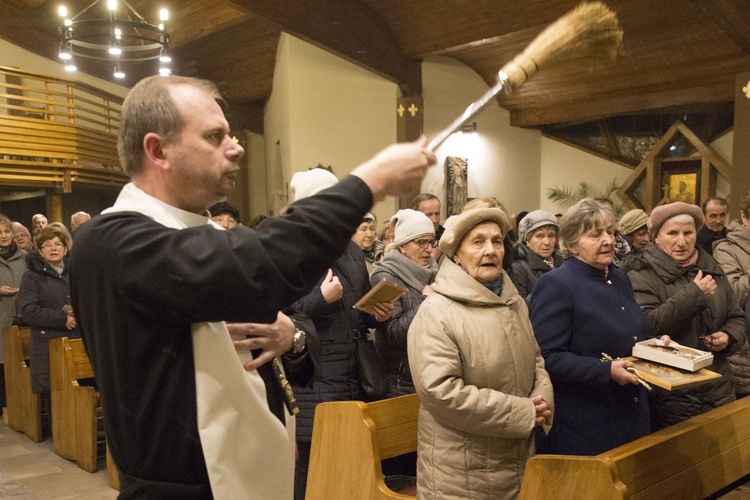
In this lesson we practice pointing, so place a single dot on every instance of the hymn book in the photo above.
(385, 291)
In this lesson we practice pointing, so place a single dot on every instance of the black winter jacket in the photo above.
(336, 324)
(528, 267)
(41, 298)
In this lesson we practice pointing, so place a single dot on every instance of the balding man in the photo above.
(77, 219)
(153, 281)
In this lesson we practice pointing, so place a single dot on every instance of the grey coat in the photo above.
(11, 271)
(674, 305)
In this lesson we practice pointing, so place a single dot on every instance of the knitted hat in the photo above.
(535, 220)
(224, 208)
(663, 213)
(457, 226)
(311, 182)
(632, 221)
(17, 226)
(410, 224)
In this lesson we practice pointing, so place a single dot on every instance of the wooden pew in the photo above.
(75, 407)
(349, 440)
(692, 459)
(23, 410)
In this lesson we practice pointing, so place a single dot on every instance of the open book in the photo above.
(385, 291)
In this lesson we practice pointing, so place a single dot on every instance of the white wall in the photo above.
(563, 165)
(17, 57)
(326, 110)
(504, 161)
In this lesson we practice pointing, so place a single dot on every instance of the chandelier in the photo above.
(114, 37)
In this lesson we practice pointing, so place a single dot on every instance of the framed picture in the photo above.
(681, 181)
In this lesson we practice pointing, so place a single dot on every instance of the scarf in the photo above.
(495, 286)
(692, 260)
(408, 271)
(8, 252)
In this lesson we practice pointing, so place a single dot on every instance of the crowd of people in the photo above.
(207, 336)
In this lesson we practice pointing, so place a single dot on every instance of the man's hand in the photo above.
(274, 339)
(397, 170)
(383, 311)
(8, 290)
(331, 288)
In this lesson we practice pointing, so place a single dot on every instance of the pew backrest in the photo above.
(692, 459)
(349, 440)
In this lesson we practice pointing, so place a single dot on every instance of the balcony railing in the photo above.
(57, 133)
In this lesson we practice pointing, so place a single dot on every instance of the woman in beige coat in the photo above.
(477, 369)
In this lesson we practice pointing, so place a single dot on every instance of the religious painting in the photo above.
(682, 187)
(681, 181)
(456, 184)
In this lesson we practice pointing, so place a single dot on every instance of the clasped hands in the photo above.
(542, 410)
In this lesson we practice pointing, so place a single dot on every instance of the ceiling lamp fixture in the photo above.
(114, 37)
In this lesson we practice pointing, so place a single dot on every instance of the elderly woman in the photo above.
(580, 311)
(12, 267)
(733, 255)
(22, 237)
(477, 370)
(339, 326)
(685, 294)
(410, 265)
(44, 302)
(365, 239)
(535, 250)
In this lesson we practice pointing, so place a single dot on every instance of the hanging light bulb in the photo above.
(164, 71)
(118, 71)
(65, 52)
(70, 66)
(164, 56)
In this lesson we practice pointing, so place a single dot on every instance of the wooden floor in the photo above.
(30, 470)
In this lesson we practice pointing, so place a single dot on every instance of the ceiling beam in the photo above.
(732, 16)
(347, 29)
(602, 108)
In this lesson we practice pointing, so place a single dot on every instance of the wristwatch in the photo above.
(298, 342)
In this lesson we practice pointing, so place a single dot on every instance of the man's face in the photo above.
(203, 161)
(431, 208)
(225, 220)
(40, 222)
(716, 216)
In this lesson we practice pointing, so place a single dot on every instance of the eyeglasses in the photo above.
(48, 246)
(427, 242)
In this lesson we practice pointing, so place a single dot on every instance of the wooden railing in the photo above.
(56, 132)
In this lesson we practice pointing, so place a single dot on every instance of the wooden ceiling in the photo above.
(676, 55)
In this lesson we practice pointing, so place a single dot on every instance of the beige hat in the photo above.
(311, 182)
(457, 226)
(663, 213)
(410, 224)
(632, 221)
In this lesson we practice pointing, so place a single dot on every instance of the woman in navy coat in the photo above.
(580, 311)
